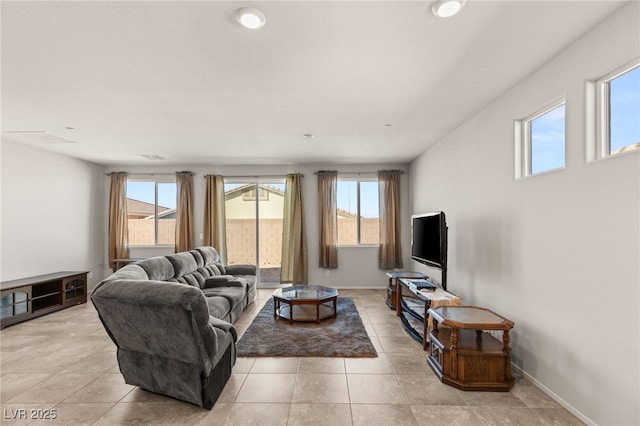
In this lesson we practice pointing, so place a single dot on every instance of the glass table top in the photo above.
(305, 292)
(470, 317)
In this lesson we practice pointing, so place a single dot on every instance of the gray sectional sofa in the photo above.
(172, 317)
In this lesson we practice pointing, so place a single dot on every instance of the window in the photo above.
(151, 209)
(358, 212)
(619, 111)
(540, 141)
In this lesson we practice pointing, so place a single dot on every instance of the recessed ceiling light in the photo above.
(307, 136)
(386, 126)
(251, 18)
(447, 8)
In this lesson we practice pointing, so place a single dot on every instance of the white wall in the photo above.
(358, 266)
(556, 253)
(52, 213)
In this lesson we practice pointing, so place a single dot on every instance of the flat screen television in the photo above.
(429, 239)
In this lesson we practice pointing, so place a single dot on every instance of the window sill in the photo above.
(152, 247)
(546, 172)
(619, 154)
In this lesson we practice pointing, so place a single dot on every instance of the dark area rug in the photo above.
(344, 336)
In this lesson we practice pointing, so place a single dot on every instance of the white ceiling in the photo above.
(183, 80)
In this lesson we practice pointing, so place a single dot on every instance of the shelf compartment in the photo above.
(74, 290)
(46, 301)
(412, 326)
(413, 306)
(14, 303)
(45, 289)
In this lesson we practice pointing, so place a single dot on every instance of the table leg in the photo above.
(425, 327)
(507, 349)
(453, 361)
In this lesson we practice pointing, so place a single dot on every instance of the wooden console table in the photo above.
(27, 298)
(466, 357)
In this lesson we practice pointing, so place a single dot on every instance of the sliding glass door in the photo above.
(254, 226)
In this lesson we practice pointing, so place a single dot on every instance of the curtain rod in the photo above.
(356, 173)
(149, 174)
(254, 176)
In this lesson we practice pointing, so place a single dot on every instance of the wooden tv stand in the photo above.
(412, 306)
(465, 356)
(392, 288)
(27, 298)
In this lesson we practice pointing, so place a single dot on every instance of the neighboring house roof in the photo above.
(250, 186)
(346, 213)
(167, 214)
(627, 148)
(142, 208)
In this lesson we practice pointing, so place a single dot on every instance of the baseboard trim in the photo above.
(553, 395)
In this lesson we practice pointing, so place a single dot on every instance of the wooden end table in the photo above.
(463, 355)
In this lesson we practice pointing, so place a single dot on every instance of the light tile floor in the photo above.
(66, 362)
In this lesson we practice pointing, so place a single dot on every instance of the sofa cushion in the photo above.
(214, 269)
(183, 263)
(158, 268)
(205, 272)
(209, 255)
(198, 257)
(235, 295)
(190, 279)
(219, 306)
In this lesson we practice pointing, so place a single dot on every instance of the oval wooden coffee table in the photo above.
(305, 303)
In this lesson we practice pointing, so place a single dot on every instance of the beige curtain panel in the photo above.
(327, 200)
(390, 250)
(215, 232)
(118, 226)
(184, 212)
(294, 238)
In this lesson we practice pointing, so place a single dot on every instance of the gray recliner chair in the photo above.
(167, 341)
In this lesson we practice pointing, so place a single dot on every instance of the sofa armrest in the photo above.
(223, 325)
(214, 278)
(241, 269)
